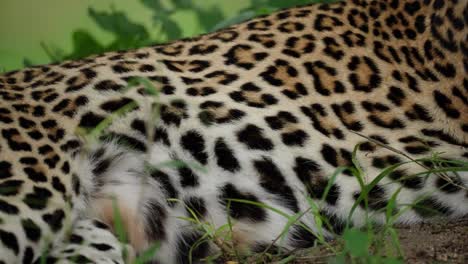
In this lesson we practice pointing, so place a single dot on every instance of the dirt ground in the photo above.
(436, 243)
(445, 242)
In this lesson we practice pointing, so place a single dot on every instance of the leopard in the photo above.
(245, 126)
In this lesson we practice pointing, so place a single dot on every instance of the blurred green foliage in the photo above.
(128, 34)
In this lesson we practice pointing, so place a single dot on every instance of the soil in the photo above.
(436, 243)
(444, 242)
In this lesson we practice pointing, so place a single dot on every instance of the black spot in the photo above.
(9, 241)
(274, 122)
(308, 171)
(90, 120)
(114, 105)
(12, 135)
(139, 125)
(412, 8)
(330, 155)
(32, 231)
(318, 70)
(33, 174)
(196, 205)
(166, 184)
(382, 162)
(125, 140)
(169, 116)
(101, 246)
(195, 144)
(268, 248)
(408, 181)
(55, 219)
(226, 79)
(8, 208)
(146, 68)
(52, 161)
(28, 256)
(430, 207)
(225, 156)
(451, 185)
(343, 111)
(38, 199)
(188, 243)
(56, 135)
(253, 137)
(419, 112)
(38, 111)
(372, 81)
(332, 48)
(155, 217)
(375, 198)
(35, 134)
(333, 222)
(447, 70)
(301, 237)
(101, 166)
(417, 149)
(26, 123)
(160, 135)
(442, 136)
(273, 181)
(295, 138)
(70, 145)
(232, 56)
(438, 4)
(10, 187)
(187, 177)
(202, 49)
(393, 124)
(120, 69)
(100, 224)
(65, 167)
(267, 40)
(50, 98)
(45, 149)
(290, 27)
(238, 209)
(446, 104)
(261, 25)
(5, 170)
(61, 105)
(5, 119)
(322, 23)
(168, 89)
(81, 100)
(107, 85)
(75, 239)
(79, 259)
(58, 185)
(271, 76)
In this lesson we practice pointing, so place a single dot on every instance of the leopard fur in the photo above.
(264, 111)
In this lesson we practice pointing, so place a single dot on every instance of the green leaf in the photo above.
(356, 242)
(156, 6)
(119, 24)
(234, 20)
(148, 254)
(118, 222)
(55, 54)
(26, 63)
(172, 29)
(84, 44)
(208, 18)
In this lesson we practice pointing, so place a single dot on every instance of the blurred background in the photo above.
(39, 32)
